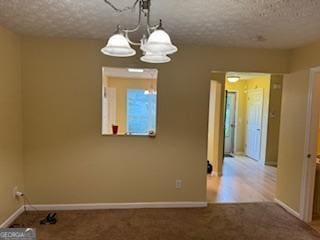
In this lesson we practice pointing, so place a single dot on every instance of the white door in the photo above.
(230, 122)
(254, 123)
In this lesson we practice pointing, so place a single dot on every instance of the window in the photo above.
(141, 111)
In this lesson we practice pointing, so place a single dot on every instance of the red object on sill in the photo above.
(115, 129)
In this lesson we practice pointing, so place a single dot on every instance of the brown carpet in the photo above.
(218, 221)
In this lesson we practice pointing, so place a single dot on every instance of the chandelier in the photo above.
(155, 43)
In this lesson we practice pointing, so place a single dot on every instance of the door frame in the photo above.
(309, 163)
(236, 92)
(261, 131)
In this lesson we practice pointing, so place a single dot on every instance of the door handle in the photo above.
(258, 129)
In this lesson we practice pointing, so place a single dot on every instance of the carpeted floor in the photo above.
(218, 221)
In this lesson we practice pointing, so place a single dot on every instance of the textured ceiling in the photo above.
(276, 23)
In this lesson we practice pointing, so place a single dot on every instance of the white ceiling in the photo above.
(238, 23)
(148, 73)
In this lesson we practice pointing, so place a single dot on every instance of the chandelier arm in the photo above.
(148, 21)
(151, 28)
(154, 27)
(136, 28)
(131, 42)
(120, 10)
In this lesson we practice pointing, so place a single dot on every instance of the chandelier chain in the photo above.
(120, 10)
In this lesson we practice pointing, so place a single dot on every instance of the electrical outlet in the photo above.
(14, 192)
(178, 184)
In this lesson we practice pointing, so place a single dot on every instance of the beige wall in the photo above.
(304, 57)
(11, 165)
(62, 108)
(122, 85)
(62, 120)
(274, 120)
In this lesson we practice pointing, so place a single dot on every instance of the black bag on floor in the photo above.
(209, 167)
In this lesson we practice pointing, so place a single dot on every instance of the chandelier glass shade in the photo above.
(155, 58)
(118, 46)
(155, 43)
(159, 42)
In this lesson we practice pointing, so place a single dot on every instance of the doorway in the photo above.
(247, 111)
(248, 119)
(310, 194)
(316, 195)
(230, 123)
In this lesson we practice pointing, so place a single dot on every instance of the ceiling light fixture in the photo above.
(233, 79)
(155, 43)
(136, 70)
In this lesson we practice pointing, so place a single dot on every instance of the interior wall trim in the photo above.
(102, 206)
(12, 218)
(240, 153)
(287, 208)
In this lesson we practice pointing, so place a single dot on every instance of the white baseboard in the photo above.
(287, 208)
(273, 164)
(101, 206)
(12, 218)
(240, 153)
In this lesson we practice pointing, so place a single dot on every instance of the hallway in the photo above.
(243, 180)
